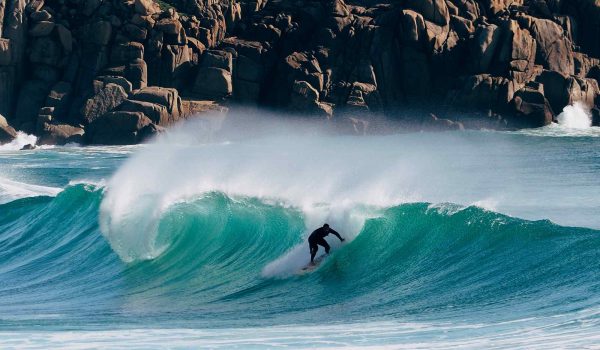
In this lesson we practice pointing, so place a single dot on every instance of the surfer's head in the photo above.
(326, 226)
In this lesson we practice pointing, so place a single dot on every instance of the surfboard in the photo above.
(318, 260)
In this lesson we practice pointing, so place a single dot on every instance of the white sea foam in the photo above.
(11, 190)
(574, 121)
(21, 140)
(560, 332)
(327, 177)
(575, 116)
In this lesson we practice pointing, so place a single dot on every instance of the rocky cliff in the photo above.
(117, 71)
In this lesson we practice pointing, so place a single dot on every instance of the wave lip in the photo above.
(11, 190)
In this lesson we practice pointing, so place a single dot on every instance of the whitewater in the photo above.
(476, 239)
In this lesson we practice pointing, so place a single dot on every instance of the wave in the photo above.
(217, 255)
(11, 190)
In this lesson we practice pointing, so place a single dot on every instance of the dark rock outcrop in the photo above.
(67, 64)
(7, 132)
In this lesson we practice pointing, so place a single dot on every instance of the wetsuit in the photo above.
(317, 238)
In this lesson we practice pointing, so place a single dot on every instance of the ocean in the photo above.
(472, 239)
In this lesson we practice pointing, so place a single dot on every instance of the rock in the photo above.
(137, 73)
(196, 45)
(483, 47)
(337, 8)
(246, 91)
(217, 59)
(135, 33)
(173, 70)
(5, 53)
(248, 69)
(522, 53)
(46, 51)
(532, 108)
(7, 132)
(15, 29)
(553, 48)
(48, 74)
(587, 17)
(555, 88)
(412, 27)
(157, 113)
(40, 16)
(99, 33)
(584, 63)
(146, 22)
(250, 49)
(150, 131)
(595, 116)
(494, 7)
(110, 97)
(364, 94)
(65, 37)
(59, 99)
(163, 96)
(127, 52)
(434, 11)
(42, 28)
(117, 128)
(305, 99)
(191, 107)
(433, 123)
(168, 26)
(60, 134)
(88, 7)
(582, 90)
(35, 5)
(213, 82)
(594, 73)
(28, 147)
(483, 92)
(562, 91)
(305, 68)
(146, 7)
(462, 26)
(101, 81)
(31, 98)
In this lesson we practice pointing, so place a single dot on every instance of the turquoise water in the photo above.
(465, 239)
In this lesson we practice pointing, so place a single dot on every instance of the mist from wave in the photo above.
(575, 120)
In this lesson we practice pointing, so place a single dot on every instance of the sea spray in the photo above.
(21, 140)
(327, 177)
(575, 116)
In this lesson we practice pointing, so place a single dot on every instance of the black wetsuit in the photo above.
(317, 238)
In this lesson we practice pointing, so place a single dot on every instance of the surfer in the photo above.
(317, 238)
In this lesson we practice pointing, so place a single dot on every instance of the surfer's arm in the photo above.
(336, 234)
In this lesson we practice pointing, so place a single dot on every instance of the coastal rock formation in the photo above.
(114, 71)
(7, 132)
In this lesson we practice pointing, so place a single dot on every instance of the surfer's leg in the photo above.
(323, 242)
(313, 250)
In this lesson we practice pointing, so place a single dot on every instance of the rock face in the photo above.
(7, 133)
(97, 66)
